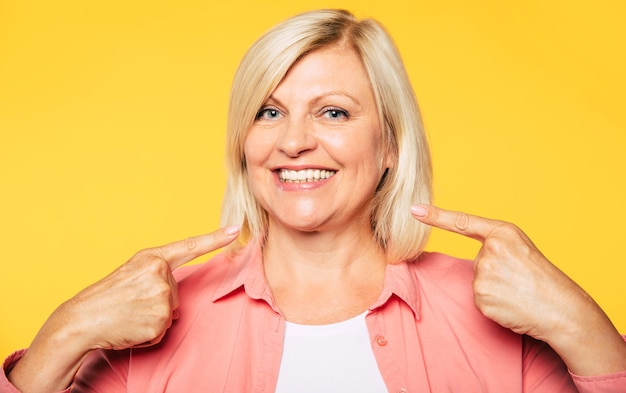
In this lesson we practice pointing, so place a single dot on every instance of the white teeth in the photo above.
(305, 175)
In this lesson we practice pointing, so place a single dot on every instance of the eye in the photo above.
(335, 113)
(268, 113)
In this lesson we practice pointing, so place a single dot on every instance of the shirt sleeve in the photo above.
(102, 371)
(7, 366)
(544, 371)
(612, 383)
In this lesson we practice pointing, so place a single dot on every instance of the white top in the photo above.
(329, 358)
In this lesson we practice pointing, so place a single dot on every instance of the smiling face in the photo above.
(314, 155)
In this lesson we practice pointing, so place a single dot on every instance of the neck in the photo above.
(324, 251)
(322, 276)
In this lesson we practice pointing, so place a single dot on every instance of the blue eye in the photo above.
(336, 114)
(268, 114)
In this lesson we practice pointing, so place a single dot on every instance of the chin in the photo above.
(303, 223)
(303, 226)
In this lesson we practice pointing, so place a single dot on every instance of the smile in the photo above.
(304, 176)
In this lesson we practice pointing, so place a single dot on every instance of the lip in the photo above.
(276, 169)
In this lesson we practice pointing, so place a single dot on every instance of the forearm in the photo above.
(592, 345)
(52, 360)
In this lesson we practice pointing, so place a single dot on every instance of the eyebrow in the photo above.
(322, 96)
(337, 93)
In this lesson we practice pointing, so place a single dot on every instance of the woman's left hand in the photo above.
(517, 287)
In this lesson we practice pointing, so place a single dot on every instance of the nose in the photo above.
(297, 137)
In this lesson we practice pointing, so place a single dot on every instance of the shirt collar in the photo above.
(400, 281)
(246, 271)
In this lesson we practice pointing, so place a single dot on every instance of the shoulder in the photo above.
(438, 260)
(194, 271)
(198, 279)
(434, 266)
(448, 310)
(223, 274)
(446, 289)
(436, 276)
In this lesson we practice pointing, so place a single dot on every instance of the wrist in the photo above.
(589, 344)
(53, 358)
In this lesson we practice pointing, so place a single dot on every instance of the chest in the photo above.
(329, 358)
(242, 351)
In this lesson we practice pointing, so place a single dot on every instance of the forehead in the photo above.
(333, 68)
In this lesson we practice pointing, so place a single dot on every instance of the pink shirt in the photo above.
(426, 335)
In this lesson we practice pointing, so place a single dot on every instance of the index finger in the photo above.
(180, 252)
(475, 227)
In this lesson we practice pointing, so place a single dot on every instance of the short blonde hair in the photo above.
(264, 66)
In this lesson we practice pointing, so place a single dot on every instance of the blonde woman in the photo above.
(324, 285)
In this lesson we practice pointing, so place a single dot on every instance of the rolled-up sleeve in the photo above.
(611, 383)
(7, 366)
(102, 371)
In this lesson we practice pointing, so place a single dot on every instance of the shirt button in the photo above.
(401, 390)
(381, 340)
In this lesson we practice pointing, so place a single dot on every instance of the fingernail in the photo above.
(233, 229)
(418, 210)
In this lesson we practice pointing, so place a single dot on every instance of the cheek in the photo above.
(257, 150)
(254, 149)
(358, 140)
(248, 150)
(367, 149)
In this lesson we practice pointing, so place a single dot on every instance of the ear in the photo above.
(389, 159)
(390, 149)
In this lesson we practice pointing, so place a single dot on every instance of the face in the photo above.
(314, 153)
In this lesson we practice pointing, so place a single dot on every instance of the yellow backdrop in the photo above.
(112, 118)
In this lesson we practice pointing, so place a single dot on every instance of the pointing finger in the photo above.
(183, 251)
(475, 227)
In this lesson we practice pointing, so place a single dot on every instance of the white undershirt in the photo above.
(329, 358)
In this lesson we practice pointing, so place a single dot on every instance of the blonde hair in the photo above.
(263, 67)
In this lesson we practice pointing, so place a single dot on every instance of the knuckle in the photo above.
(480, 289)
(461, 221)
(485, 309)
(157, 266)
(505, 238)
(509, 230)
(481, 298)
(154, 331)
(494, 245)
(142, 254)
(160, 319)
(148, 256)
(164, 291)
(191, 243)
(479, 301)
(163, 318)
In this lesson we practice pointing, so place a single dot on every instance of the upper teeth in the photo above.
(305, 175)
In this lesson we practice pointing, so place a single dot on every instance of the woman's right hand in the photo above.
(133, 306)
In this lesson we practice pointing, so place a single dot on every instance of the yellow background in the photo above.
(112, 118)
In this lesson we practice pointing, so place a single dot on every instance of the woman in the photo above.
(327, 287)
